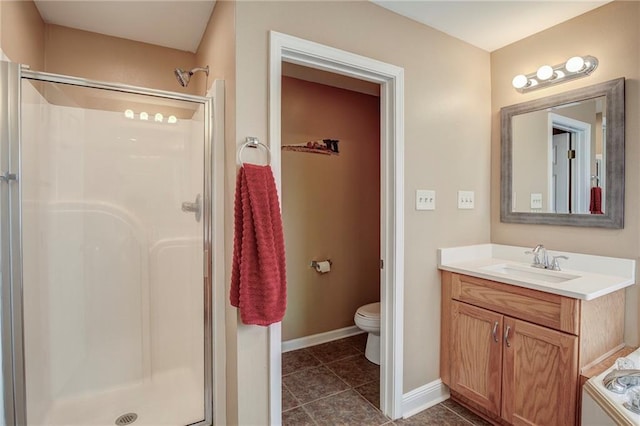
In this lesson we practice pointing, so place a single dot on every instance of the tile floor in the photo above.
(334, 384)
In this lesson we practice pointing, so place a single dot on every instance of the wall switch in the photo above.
(466, 199)
(425, 199)
(536, 201)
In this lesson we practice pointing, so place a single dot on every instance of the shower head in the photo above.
(183, 76)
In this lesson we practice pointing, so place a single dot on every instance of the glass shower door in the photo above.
(114, 236)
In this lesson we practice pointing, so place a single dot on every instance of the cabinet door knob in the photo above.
(506, 336)
(495, 332)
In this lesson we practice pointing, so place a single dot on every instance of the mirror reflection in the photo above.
(559, 158)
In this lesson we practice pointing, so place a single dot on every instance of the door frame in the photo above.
(298, 51)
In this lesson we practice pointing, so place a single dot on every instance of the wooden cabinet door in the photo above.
(476, 354)
(540, 375)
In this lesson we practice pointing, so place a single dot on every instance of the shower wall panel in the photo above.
(113, 286)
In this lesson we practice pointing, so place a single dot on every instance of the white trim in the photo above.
(320, 338)
(391, 79)
(424, 397)
(275, 367)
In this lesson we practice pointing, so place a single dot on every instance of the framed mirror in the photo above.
(562, 158)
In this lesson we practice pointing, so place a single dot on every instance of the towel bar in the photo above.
(253, 142)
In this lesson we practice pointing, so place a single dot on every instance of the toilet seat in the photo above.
(372, 310)
(369, 315)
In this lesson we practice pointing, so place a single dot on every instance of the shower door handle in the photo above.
(195, 207)
(7, 177)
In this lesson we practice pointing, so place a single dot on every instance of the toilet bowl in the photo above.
(367, 318)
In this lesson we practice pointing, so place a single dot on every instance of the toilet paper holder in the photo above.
(314, 263)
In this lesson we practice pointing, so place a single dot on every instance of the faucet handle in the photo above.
(555, 266)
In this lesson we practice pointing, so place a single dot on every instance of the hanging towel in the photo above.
(595, 205)
(258, 278)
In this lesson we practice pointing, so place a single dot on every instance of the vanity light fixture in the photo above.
(547, 75)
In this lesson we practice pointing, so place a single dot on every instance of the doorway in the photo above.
(391, 80)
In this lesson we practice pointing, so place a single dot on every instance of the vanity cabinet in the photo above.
(514, 355)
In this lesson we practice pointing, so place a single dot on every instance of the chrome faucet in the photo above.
(540, 260)
(619, 381)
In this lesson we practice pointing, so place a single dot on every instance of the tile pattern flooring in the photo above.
(334, 384)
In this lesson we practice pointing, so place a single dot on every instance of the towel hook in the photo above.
(253, 142)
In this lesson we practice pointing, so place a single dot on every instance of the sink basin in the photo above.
(529, 272)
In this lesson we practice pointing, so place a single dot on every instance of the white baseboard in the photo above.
(424, 397)
(317, 339)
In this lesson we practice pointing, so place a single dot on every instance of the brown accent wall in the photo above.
(330, 206)
(610, 33)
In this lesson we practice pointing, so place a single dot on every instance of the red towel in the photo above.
(258, 276)
(595, 204)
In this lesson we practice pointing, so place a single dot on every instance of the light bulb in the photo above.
(144, 116)
(575, 64)
(128, 113)
(520, 81)
(172, 119)
(158, 117)
(545, 72)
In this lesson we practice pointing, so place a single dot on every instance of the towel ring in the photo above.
(253, 142)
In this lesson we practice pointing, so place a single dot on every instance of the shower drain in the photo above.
(126, 419)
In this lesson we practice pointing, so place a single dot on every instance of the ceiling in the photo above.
(180, 24)
(490, 25)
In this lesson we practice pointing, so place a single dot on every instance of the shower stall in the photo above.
(105, 194)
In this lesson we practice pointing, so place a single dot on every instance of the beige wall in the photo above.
(330, 206)
(99, 57)
(22, 33)
(530, 173)
(27, 39)
(610, 33)
(447, 148)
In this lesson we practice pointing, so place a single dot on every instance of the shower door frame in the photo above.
(11, 285)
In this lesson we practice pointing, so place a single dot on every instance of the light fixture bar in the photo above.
(545, 76)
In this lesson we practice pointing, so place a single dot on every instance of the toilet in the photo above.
(367, 318)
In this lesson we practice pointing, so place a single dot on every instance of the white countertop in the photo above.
(584, 276)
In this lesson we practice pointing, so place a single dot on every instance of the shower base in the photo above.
(173, 398)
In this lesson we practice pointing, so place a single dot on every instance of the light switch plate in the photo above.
(536, 201)
(466, 199)
(425, 199)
